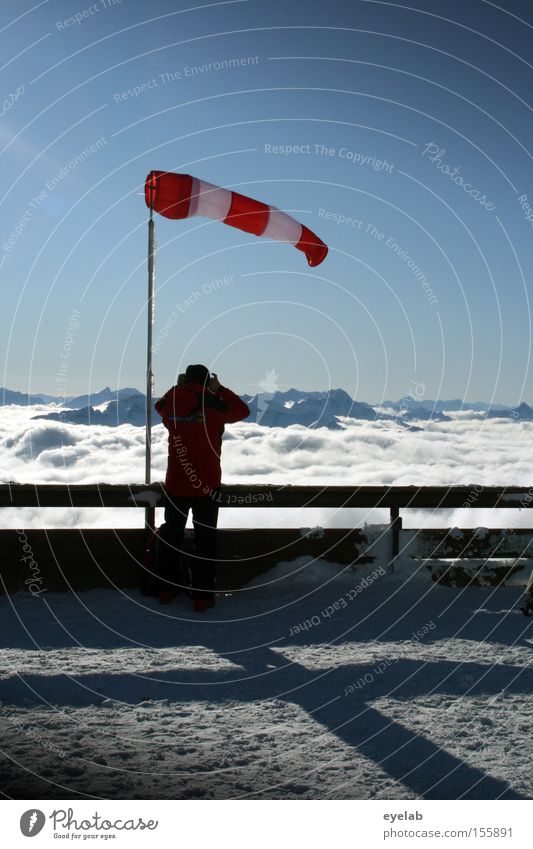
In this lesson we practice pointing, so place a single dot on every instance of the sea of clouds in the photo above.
(463, 451)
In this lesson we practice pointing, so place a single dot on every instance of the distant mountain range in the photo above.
(273, 409)
(9, 396)
(452, 406)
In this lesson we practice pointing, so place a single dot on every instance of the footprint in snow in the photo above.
(73, 771)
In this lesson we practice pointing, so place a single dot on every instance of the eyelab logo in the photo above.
(32, 822)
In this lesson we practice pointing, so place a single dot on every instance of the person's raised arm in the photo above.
(160, 404)
(237, 409)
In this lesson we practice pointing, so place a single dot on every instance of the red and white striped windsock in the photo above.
(181, 196)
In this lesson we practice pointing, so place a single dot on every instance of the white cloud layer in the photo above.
(463, 451)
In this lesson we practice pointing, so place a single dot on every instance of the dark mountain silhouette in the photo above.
(522, 413)
(319, 408)
(10, 396)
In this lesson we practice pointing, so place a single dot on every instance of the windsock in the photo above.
(182, 196)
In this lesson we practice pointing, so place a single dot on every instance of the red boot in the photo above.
(201, 605)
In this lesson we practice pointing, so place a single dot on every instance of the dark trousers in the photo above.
(203, 563)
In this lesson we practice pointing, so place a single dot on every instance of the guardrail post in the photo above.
(396, 526)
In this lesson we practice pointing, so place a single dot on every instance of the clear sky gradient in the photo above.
(360, 118)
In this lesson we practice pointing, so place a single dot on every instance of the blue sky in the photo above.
(424, 284)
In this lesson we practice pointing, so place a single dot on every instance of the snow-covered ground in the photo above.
(310, 683)
(307, 683)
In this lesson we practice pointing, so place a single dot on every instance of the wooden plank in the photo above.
(269, 495)
(42, 561)
(69, 559)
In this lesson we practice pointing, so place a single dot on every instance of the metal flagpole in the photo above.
(149, 515)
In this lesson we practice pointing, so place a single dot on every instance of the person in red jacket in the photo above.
(195, 412)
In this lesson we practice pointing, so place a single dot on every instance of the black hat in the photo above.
(197, 374)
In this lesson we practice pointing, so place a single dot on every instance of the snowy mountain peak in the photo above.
(270, 407)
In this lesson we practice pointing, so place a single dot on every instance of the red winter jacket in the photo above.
(195, 422)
